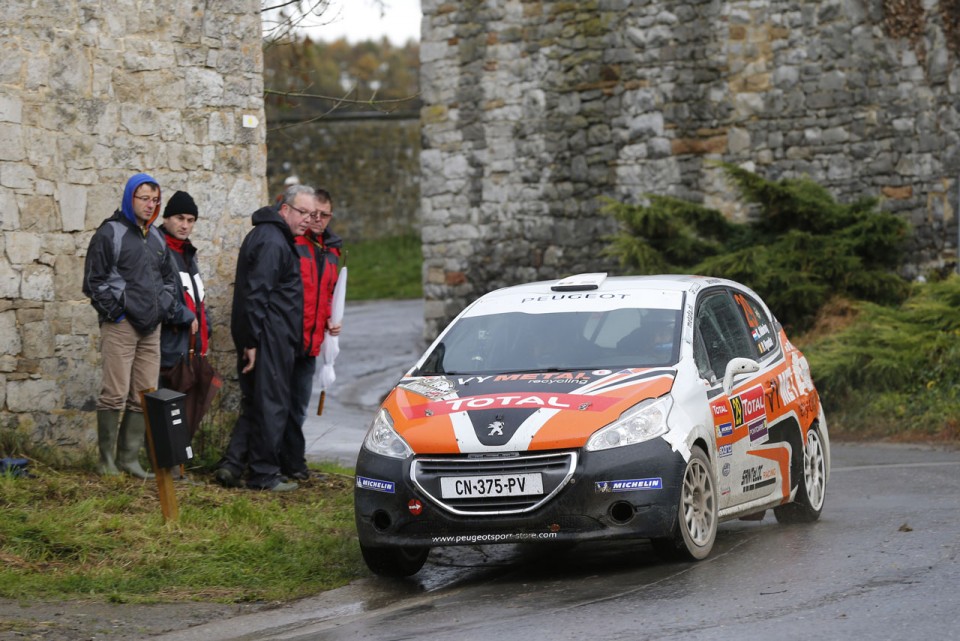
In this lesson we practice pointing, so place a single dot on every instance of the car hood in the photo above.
(514, 412)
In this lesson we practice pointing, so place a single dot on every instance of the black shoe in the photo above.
(279, 486)
(226, 478)
(299, 476)
(284, 487)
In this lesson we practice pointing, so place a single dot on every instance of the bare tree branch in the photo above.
(343, 100)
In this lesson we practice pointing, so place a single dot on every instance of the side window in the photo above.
(762, 331)
(720, 326)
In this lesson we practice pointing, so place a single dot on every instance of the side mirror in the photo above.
(736, 367)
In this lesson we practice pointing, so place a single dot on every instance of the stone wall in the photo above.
(92, 92)
(535, 109)
(370, 163)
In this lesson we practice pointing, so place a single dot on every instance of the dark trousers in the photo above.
(294, 450)
(266, 394)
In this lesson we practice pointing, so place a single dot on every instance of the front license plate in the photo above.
(458, 487)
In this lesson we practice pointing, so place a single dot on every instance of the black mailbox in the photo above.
(168, 427)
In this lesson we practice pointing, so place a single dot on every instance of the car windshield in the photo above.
(560, 341)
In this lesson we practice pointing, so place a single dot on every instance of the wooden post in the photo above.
(168, 496)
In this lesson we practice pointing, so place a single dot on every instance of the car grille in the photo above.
(555, 470)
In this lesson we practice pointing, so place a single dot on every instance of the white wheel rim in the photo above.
(813, 470)
(699, 503)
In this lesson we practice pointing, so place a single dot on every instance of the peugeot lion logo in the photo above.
(496, 428)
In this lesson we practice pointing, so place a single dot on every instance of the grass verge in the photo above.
(72, 534)
(385, 268)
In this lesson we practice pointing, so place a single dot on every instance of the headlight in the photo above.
(640, 423)
(382, 439)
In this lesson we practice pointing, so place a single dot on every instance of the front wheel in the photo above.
(696, 526)
(808, 504)
(394, 561)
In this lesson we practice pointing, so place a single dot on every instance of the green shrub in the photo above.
(895, 370)
(799, 249)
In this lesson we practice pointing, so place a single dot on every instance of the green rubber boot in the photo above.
(129, 442)
(108, 422)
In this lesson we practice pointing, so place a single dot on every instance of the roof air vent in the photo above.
(580, 282)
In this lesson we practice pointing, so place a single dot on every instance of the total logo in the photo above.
(531, 401)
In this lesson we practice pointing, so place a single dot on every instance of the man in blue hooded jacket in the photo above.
(132, 282)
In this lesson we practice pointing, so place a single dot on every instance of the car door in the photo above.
(727, 327)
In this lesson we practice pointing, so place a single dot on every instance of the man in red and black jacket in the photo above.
(319, 251)
(179, 217)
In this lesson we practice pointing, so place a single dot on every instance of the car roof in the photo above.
(594, 292)
(668, 282)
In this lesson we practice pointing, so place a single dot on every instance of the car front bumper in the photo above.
(627, 492)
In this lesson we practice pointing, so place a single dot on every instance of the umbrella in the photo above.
(331, 344)
(194, 376)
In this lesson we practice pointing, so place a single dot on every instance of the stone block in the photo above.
(11, 141)
(69, 69)
(139, 120)
(37, 340)
(9, 280)
(11, 109)
(18, 176)
(33, 395)
(68, 277)
(68, 346)
(899, 192)
(23, 248)
(738, 140)
(203, 88)
(9, 211)
(10, 341)
(37, 283)
(73, 206)
(38, 214)
(98, 117)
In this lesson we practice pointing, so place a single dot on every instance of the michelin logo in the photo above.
(374, 484)
(631, 485)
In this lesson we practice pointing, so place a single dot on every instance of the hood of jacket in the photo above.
(271, 216)
(126, 206)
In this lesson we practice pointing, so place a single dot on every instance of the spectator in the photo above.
(131, 281)
(267, 330)
(319, 250)
(176, 338)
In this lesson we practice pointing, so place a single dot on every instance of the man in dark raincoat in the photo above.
(267, 330)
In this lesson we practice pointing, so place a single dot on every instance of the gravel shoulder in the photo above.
(88, 620)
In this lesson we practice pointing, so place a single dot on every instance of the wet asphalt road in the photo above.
(882, 563)
(379, 342)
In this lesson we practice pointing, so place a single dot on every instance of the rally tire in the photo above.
(696, 527)
(395, 561)
(812, 485)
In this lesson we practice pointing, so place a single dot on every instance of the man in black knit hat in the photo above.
(179, 217)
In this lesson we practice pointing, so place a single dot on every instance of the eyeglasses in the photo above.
(321, 215)
(148, 199)
(308, 214)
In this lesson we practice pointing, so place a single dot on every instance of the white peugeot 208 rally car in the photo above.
(590, 408)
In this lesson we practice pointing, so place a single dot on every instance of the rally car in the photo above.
(588, 408)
